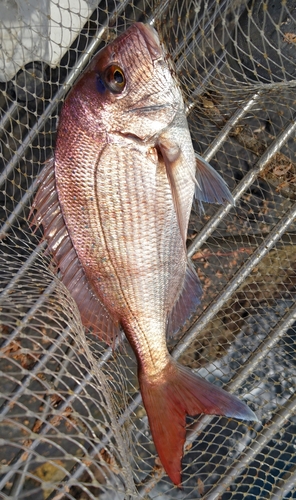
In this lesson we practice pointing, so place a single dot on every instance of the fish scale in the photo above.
(121, 187)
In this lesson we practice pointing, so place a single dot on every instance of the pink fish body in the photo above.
(115, 204)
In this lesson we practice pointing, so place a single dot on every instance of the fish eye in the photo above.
(114, 79)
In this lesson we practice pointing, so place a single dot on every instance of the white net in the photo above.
(72, 425)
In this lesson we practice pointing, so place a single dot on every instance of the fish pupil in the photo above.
(118, 77)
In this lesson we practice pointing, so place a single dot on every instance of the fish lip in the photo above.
(151, 38)
(153, 107)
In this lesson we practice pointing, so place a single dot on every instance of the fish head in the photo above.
(128, 87)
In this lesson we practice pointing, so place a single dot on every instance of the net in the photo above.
(72, 425)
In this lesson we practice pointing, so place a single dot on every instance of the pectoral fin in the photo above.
(210, 187)
(171, 154)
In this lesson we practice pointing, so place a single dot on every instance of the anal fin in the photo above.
(46, 212)
(186, 303)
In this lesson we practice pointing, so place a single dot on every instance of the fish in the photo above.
(114, 203)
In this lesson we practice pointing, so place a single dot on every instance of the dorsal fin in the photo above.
(46, 212)
(186, 303)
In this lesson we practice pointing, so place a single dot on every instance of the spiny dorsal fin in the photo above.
(46, 212)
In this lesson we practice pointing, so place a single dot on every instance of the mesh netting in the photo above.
(72, 425)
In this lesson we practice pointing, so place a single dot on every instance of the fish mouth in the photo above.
(151, 38)
(152, 107)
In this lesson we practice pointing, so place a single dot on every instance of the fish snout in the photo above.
(152, 41)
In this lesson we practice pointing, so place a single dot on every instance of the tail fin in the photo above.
(167, 401)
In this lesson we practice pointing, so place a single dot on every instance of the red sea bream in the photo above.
(114, 203)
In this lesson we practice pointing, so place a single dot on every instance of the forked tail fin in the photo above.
(177, 393)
